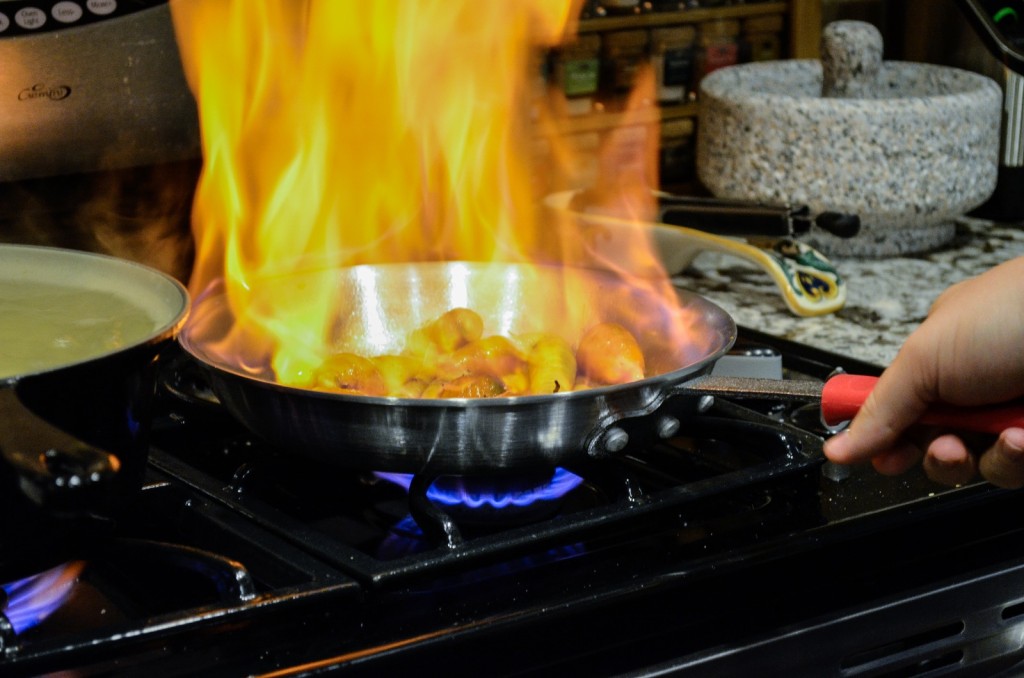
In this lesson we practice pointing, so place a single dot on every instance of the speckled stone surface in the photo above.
(887, 298)
(909, 155)
(851, 56)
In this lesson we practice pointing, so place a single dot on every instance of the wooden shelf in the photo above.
(805, 29)
(656, 19)
(799, 37)
(601, 122)
(671, 111)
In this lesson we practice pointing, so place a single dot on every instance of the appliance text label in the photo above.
(41, 91)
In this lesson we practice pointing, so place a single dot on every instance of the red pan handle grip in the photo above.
(843, 395)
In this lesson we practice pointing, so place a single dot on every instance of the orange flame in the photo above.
(345, 133)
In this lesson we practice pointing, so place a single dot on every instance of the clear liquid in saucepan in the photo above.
(44, 326)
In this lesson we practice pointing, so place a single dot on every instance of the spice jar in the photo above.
(677, 153)
(718, 45)
(622, 54)
(577, 70)
(673, 51)
(763, 36)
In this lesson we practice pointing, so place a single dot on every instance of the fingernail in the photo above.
(1003, 465)
(837, 447)
(1013, 438)
(948, 450)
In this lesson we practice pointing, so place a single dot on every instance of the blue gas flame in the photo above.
(458, 494)
(31, 600)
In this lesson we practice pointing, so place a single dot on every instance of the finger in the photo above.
(897, 460)
(841, 448)
(1003, 463)
(898, 399)
(949, 462)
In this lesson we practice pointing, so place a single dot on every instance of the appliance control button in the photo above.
(4, 22)
(30, 17)
(101, 6)
(66, 12)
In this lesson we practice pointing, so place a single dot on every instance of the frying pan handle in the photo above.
(55, 470)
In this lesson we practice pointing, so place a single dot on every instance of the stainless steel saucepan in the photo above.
(79, 338)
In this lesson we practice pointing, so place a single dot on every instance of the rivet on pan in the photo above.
(667, 427)
(615, 440)
(705, 403)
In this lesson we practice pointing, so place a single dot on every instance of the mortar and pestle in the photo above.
(909, 147)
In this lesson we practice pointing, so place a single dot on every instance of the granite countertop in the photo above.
(886, 298)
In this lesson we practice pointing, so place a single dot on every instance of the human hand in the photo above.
(968, 352)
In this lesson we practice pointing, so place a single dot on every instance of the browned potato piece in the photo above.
(449, 358)
(453, 329)
(494, 356)
(347, 372)
(466, 386)
(609, 354)
(552, 365)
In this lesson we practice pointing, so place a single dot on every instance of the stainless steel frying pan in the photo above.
(385, 302)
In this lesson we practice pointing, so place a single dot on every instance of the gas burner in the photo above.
(31, 600)
(497, 494)
(438, 504)
(113, 590)
(406, 538)
(183, 378)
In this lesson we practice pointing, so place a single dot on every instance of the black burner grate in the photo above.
(724, 549)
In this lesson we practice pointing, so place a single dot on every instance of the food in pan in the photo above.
(609, 354)
(43, 326)
(450, 357)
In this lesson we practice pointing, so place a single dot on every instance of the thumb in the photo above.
(1003, 463)
(898, 399)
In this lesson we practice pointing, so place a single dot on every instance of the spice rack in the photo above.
(683, 45)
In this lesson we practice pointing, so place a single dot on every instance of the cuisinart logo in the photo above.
(41, 91)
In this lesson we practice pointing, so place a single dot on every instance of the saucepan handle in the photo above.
(54, 469)
(843, 395)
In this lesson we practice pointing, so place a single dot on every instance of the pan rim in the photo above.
(721, 344)
(673, 376)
